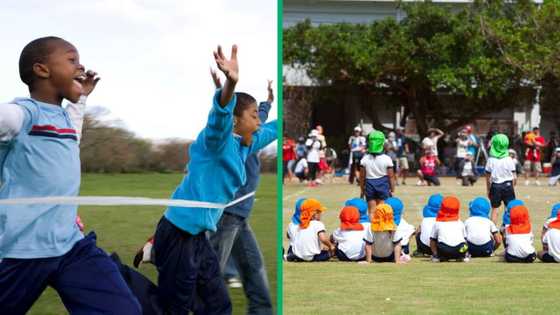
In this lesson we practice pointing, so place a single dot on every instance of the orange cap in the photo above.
(520, 224)
(308, 209)
(350, 219)
(449, 210)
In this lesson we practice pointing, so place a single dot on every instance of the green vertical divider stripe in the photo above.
(279, 228)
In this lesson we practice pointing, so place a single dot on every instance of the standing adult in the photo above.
(391, 148)
(323, 165)
(313, 145)
(288, 158)
(473, 144)
(357, 146)
(553, 143)
(462, 149)
(403, 150)
(534, 143)
(431, 141)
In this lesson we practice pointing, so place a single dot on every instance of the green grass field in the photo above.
(125, 229)
(482, 286)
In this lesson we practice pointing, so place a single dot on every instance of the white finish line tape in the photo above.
(120, 201)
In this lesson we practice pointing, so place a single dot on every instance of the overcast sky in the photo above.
(153, 57)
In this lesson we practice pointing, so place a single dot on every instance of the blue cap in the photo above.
(362, 208)
(398, 208)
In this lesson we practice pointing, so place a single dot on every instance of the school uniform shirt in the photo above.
(500, 170)
(301, 166)
(426, 230)
(357, 144)
(292, 230)
(313, 154)
(351, 243)
(552, 239)
(451, 233)
(520, 245)
(306, 242)
(383, 242)
(216, 169)
(376, 166)
(40, 157)
(404, 231)
(480, 230)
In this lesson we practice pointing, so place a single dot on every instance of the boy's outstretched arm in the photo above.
(11, 121)
(215, 78)
(270, 98)
(230, 68)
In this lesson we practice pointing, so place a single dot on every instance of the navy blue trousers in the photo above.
(189, 277)
(86, 279)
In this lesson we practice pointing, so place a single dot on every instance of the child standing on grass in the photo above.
(448, 234)
(310, 235)
(500, 174)
(519, 237)
(41, 245)
(382, 243)
(551, 242)
(349, 237)
(377, 172)
(424, 231)
(482, 234)
(404, 230)
(186, 262)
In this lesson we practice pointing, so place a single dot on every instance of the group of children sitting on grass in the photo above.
(384, 235)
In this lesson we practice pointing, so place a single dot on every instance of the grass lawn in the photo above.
(482, 286)
(125, 229)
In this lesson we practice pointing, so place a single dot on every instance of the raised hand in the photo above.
(215, 78)
(270, 92)
(229, 67)
(90, 82)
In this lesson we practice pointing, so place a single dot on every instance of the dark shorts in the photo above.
(357, 158)
(384, 259)
(342, 256)
(484, 250)
(322, 256)
(547, 258)
(431, 179)
(515, 259)
(445, 251)
(85, 278)
(421, 247)
(189, 276)
(378, 189)
(501, 193)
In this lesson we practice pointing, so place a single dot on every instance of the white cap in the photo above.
(314, 133)
(357, 128)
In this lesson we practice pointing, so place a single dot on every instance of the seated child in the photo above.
(519, 237)
(427, 173)
(448, 234)
(382, 244)
(349, 237)
(293, 226)
(467, 168)
(309, 236)
(482, 234)
(404, 229)
(424, 231)
(506, 218)
(301, 169)
(551, 242)
(362, 207)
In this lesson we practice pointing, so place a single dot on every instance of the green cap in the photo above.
(376, 141)
(499, 146)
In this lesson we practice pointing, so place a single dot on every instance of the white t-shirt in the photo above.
(306, 242)
(431, 143)
(376, 167)
(520, 245)
(404, 232)
(292, 230)
(467, 169)
(480, 230)
(462, 148)
(313, 154)
(552, 239)
(367, 226)
(383, 242)
(501, 170)
(426, 230)
(351, 243)
(301, 166)
(451, 233)
(357, 143)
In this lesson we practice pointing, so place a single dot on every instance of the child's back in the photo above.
(306, 240)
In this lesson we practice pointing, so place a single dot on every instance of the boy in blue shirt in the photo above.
(40, 245)
(189, 273)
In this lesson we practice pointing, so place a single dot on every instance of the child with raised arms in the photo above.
(482, 234)
(41, 244)
(377, 172)
(424, 231)
(309, 239)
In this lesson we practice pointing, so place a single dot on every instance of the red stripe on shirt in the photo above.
(52, 128)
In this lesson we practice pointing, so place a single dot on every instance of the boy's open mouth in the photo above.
(80, 79)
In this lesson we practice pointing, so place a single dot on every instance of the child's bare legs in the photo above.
(371, 206)
(494, 215)
(421, 177)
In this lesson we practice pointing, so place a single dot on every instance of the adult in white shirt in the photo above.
(431, 141)
(313, 155)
